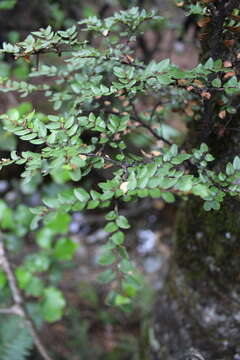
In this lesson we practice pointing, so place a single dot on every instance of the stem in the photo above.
(19, 306)
(148, 127)
(13, 310)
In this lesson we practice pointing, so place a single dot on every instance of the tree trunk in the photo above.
(198, 313)
(200, 306)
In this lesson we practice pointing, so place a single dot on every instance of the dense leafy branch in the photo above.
(98, 124)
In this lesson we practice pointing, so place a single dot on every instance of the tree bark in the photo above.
(200, 307)
(198, 313)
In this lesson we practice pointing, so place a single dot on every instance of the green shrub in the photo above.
(97, 128)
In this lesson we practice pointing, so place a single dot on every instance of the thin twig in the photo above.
(131, 212)
(19, 304)
(154, 110)
(148, 127)
(13, 310)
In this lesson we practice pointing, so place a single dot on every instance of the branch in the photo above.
(112, 161)
(154, 109)
(148, 127)
(143, 206)
(13, 310)
(19, 307)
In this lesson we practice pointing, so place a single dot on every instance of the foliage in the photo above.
(15, 340)
(95, 90)
(7, 4)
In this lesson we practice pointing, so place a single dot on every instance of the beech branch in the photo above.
(13, 310)
(137, 118)
(19, 307)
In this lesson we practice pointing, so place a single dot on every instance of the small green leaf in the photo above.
(130, 286)
(7, 221)
(209, 157)
(126, 266)
(217, 83)
(29, 137)
(65, 249)
(123, 252)
(173, 150)
(155, 193)
(107, 258)
(230, 169)
(81, 194)
(168, 197)
(163, 65)
(118, 237)
(122, 222)
(44, 238)
(13, 114)
(121, 300)
(180, 158)
(209, 63)
(7, 4)
(203, 147)
(185, 183)
(60, 222)
(38, 262)
(106, 276)
(53, 304)
(93, 204)
(111, 227)
(23, 276)
(236, 163)
(201, 190)
(111, 215)
(35, 286)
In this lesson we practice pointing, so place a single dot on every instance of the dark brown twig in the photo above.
(146, 126)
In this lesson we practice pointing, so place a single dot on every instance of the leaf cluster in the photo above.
(96, 94)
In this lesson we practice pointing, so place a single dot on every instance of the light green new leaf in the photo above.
(107, 258)
(81, 194)
(65, 249)
(53, 304)
(122, 222)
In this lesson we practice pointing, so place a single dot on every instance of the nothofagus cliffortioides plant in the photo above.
(96, 91)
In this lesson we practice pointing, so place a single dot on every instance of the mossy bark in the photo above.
(200, 307)
(200, 304)
(197, 315)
